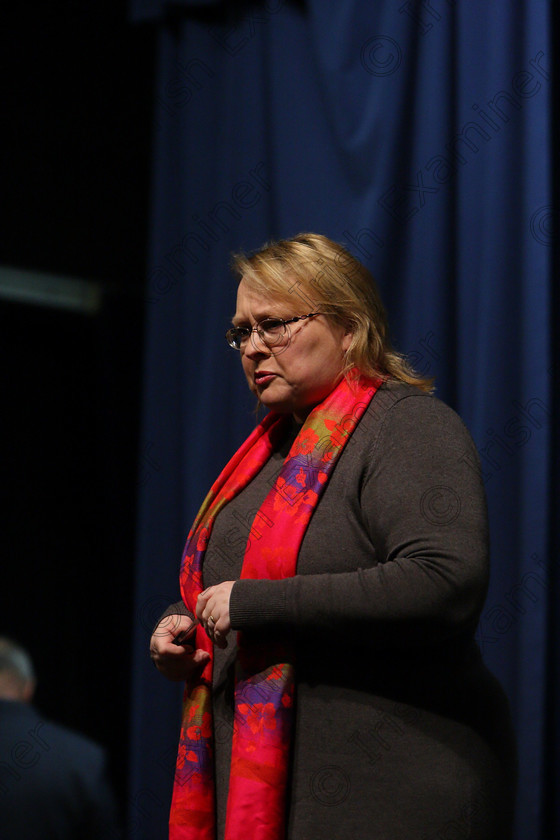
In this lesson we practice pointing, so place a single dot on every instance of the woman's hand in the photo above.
(212, 608)
(176, 662)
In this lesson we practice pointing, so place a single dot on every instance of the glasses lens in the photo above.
(272, 332)
(234, 337)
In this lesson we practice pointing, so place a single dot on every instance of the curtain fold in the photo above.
(418, 135)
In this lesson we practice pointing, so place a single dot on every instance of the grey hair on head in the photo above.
(15, 661)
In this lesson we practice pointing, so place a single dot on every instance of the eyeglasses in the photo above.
(273, 332)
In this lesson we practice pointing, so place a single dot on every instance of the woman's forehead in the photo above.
(260, 302)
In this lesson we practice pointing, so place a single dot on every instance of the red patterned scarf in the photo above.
(264, 677)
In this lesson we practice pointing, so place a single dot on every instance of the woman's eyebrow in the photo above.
(240, 321)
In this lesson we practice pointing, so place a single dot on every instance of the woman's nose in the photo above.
(255, 346)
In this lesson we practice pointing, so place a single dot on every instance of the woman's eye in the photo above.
(271, 324)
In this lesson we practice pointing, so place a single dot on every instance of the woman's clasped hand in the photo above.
(212, 608)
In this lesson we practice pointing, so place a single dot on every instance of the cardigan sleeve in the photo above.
(423, 507)
(178, 608)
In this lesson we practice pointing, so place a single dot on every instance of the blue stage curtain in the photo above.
(419, 135)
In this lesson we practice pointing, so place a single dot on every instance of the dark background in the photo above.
(77, 130)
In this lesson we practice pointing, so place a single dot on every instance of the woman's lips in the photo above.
(263, 376)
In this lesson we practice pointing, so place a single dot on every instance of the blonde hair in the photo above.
(313, 270)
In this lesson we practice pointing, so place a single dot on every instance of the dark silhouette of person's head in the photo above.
(17, 675)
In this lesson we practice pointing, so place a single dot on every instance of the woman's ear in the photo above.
(347, 339)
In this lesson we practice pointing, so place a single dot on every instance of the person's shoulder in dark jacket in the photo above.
(53, 781)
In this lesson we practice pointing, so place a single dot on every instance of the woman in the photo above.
(334, 688)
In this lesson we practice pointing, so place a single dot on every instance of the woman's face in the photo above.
(300, 374)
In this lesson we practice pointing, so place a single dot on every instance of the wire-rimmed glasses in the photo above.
(273, 332)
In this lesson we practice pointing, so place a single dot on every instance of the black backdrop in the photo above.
(76, 139)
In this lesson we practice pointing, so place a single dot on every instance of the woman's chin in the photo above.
(274, 403)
